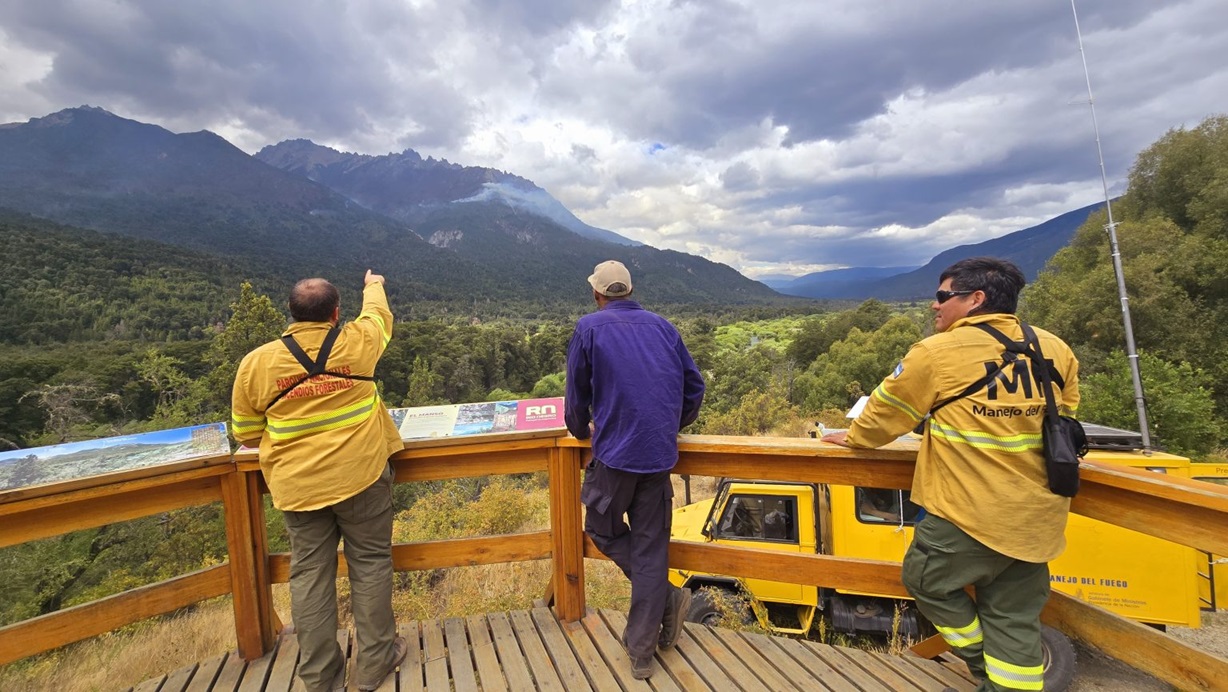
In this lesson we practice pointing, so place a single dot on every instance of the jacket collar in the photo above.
(300, 327)
(1000, 317)
(624, 304)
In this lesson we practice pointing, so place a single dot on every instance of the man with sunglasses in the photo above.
(991, 521)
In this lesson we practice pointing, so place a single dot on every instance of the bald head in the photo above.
(313, 300)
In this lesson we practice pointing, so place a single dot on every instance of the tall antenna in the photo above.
(1111, 227)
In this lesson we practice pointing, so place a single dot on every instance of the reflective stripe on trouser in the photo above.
(1012, 677)
(1010, 594)
(962, 637)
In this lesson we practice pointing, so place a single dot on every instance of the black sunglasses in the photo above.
(944, 296)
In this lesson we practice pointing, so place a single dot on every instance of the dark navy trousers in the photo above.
(640, 549)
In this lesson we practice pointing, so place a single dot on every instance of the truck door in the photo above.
(766, 522)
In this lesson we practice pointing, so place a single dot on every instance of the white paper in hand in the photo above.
(857, 407)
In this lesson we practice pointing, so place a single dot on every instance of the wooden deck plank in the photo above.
(257, 672)
(693, 653)
(150, 685)
(680, 669)
(940, 672)
(410, 675)
(535, 651)
(206, 674)
(727, 660)
(231, 673)
(605, 651)
(590, 659)
(887, 677)
(460, 656)
(907, 671)
(798, 677)
(178, 680)
(616, 623)
(436, 655)
(573, 656)
(956, 665)
(761, 667)
(285, 668)
(828, 675)
(511, 658)
(490, 676)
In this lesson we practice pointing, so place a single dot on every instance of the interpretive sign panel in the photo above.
(76, 460)
(478, 418)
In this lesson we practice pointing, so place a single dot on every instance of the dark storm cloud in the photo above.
(318, 66)
(820, 81)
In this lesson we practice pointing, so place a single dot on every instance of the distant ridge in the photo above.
(1030, 248)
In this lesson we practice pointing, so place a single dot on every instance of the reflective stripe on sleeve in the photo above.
(383, 328)
(246, 425)
(882, 395)
(959, 637)
(1023, 442)
(350, 415)
(1014, 677)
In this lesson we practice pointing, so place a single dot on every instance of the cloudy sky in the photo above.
(779, 137)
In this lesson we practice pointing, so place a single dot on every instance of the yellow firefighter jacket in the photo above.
(981, 464)
(329, 438)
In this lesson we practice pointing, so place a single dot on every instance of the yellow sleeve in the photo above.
(246, 422)
(898, 403)
(376, 316)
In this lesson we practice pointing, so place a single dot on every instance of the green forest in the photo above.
(104, 336)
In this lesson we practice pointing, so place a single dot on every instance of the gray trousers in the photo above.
(640, 550)
(365, 522)
(998, 634)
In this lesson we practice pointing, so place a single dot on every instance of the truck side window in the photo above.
(883, 506)
(759, 517)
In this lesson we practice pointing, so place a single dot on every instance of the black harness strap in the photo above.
(1012, 351)
(314, 367)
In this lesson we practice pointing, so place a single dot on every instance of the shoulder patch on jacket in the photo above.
(899, 369)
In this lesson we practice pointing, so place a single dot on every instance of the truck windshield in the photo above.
(760, 518)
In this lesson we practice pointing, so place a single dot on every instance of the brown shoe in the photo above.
(399, 648)
(676, 608)
(641, 668)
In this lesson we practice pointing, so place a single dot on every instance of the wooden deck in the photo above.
(532, 650)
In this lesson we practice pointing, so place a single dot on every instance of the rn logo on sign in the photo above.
(545, 410)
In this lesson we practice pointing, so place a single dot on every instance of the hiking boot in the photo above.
(676, 608)
(399, 648)
(641, 668)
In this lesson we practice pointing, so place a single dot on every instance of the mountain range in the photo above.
(1029, 248)
(438, 230)
(444, 233)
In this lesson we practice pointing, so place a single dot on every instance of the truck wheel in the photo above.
(1059, 659)
(706, 611)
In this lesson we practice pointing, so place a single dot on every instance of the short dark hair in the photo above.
(1000, 279)
(313, 300)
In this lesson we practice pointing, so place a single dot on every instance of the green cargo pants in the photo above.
(365, 521)
(998, 633)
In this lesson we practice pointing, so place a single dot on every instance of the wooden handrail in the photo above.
(1186, 512)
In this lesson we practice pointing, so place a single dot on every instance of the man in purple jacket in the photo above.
(631, 386)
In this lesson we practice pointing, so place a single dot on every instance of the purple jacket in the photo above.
(629, 372)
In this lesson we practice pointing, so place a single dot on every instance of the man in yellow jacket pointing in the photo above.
(308, 400)
(991, 521)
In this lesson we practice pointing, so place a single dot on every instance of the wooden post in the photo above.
(242, 546)
(567, 533)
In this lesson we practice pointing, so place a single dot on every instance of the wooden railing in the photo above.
(1175, 509)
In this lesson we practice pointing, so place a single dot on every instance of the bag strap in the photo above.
(314, 367)
(1012, 351)
(1039, 363)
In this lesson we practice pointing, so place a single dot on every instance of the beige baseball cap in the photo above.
(611, 279)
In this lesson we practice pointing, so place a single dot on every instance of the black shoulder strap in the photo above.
(1012, 350)
(314, 367)
(1041, 365)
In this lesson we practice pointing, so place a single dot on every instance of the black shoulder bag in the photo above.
(314, 367)
(1062, 436)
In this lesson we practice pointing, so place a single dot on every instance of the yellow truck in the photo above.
(1135, 575)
